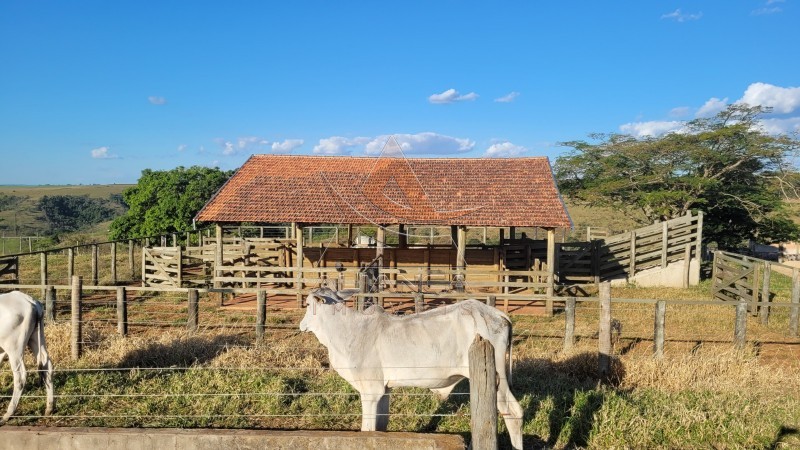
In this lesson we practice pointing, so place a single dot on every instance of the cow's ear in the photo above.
(310, 300)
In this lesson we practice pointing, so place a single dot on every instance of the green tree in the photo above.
(726, 166)
(166, 201)
(65, 213)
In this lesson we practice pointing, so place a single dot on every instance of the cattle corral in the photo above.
(223, 375)
(219, 371)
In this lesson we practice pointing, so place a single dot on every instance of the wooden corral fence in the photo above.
(627, 254)
(9, 269)
(172, 266)
(740, 278)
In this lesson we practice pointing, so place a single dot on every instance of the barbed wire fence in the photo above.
(179, 366)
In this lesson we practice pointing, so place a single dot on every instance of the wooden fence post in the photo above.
(491, 300)
(50, 304)
(193, 310)
(113, 263)
(794, 314)
(43, 273)
(632, 261)
(362, 289)
(753, 307)
(764, 308)
(131, 265)
(419, 302)
(77, 326)
(94, 265)
(604, 344)
(569, 327)
(740, 329)
(122, 311)
(70, 264)
(687, 262)
(658, 333)
(482, 395)
(261, 313)
(664, 244)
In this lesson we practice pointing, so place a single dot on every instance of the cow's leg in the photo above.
(382, 422)
(18, 370)
(511, 411)
(44, 364)
(370, 408)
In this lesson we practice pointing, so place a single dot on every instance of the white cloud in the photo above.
(504, 150)
(651, 128)
(767, 10)
(781, 100)
(156, 100)
(508, 98)
(338, 145)
(679, 16)
(680, 111)
(712, 107)
(182, 147)
(250, 141)
(102, 153)
(781, 126)
(427, 143)
(450, 96)
(245, 144)
(286, 146)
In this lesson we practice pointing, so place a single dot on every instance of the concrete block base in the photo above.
(63, 438)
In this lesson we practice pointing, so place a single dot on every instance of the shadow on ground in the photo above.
(570, 385)
(183, 352)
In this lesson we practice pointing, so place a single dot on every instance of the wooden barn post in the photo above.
(298, 264)
(402, 237)
(461, 262)
(551, 270)
(482, 394)
(380, 244)
(217, 253)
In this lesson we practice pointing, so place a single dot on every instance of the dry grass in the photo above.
(702, 394)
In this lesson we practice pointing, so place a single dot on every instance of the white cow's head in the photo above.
(317, 302)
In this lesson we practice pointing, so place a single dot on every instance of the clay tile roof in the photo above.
(386, 190)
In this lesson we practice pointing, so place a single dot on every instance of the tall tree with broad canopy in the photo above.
(166, 201)
(726, 166)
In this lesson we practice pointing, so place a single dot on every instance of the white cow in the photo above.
(375, 351)
(21, 323)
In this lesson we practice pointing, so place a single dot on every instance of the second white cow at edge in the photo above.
(375, 351)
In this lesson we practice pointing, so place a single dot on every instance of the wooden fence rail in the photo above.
(420, 300)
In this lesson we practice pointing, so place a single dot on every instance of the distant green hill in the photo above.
(18, 212)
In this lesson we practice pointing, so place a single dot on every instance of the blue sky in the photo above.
(94, 92)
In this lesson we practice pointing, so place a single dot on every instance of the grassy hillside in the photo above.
(23, 219)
